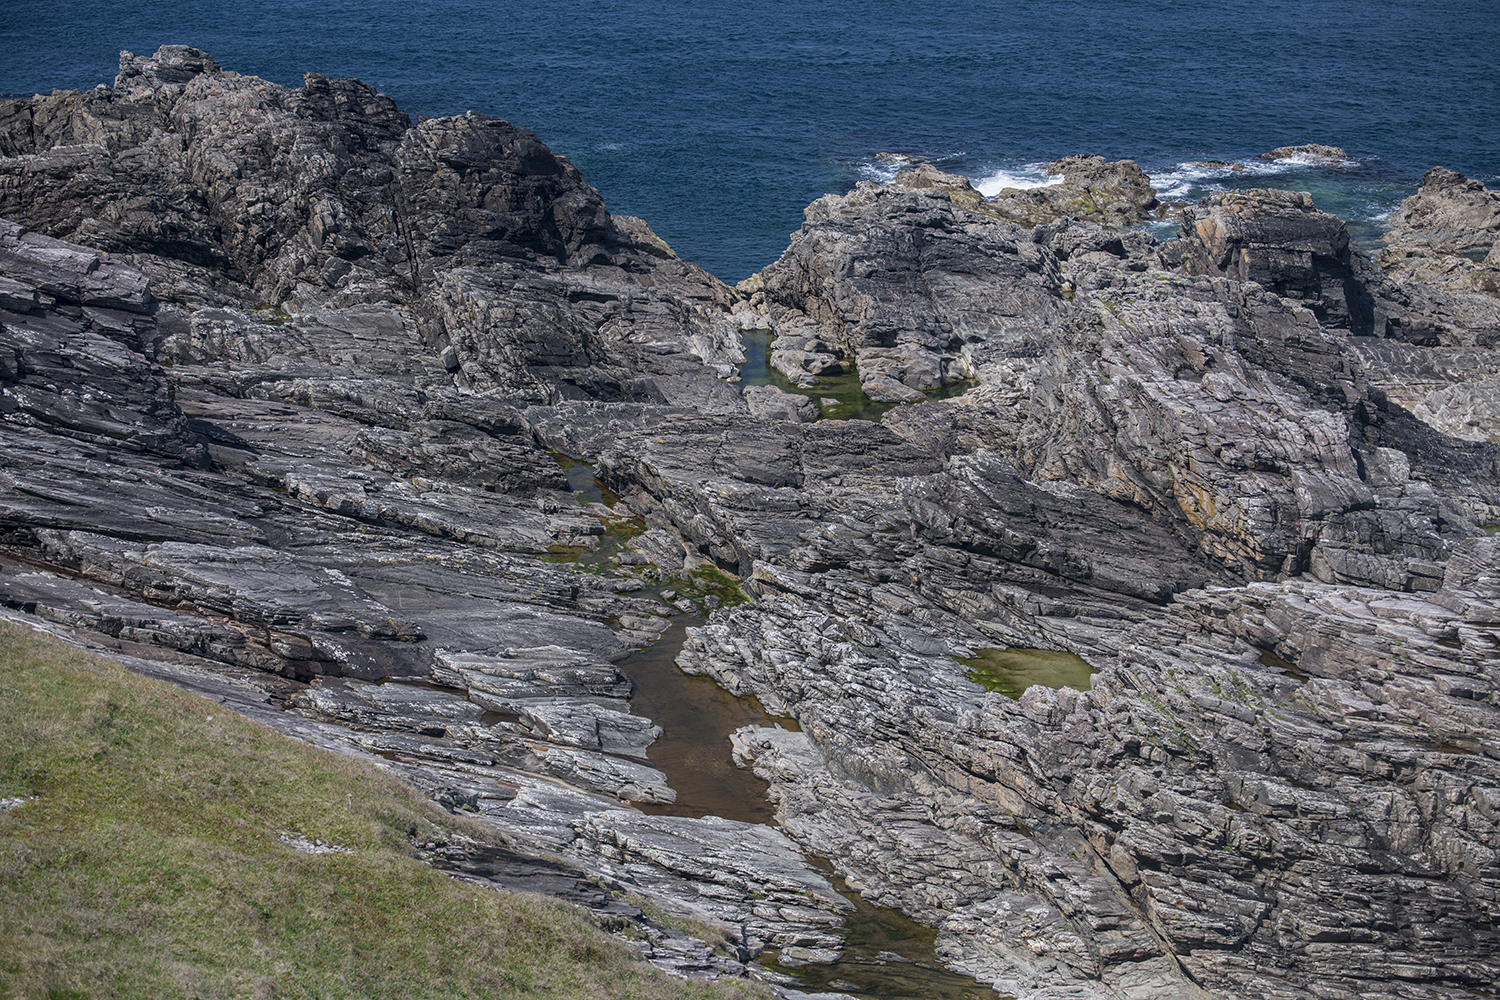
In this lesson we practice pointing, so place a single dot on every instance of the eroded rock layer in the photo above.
(291, 390)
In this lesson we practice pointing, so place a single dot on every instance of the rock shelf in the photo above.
(283, 377)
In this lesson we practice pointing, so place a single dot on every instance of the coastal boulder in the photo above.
(1450, 213)
(1092, 189)
(1447, 236)
(928, 179)
(767, 402)
(1310, 152)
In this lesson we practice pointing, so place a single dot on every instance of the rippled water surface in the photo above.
(718, 122)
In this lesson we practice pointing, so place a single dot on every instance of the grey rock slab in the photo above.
(1470, 411)
(750, 878)
(767, 402)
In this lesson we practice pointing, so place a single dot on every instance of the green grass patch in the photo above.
(147, 862)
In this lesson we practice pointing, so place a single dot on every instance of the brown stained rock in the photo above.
(930, 180)
(1450, 212)
(1445, 236)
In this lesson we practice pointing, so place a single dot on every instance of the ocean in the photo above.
(719, 122)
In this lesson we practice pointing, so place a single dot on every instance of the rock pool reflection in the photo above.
(839, 397)
(887, 955)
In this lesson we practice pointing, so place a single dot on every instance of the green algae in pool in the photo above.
(582, 481)
(1012, 671)
(598, 558)
(697, 717)
(839, 397)
(886, 954)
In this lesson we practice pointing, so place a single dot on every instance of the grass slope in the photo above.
(150, 864)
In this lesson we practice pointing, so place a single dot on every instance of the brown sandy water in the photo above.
(697, 716)
(887, 954)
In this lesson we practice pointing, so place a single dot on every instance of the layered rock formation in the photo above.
(277, 420)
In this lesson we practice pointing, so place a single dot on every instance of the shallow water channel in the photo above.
(886, 955)
(697, 717)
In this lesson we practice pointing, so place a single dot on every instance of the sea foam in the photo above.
(1032, 175)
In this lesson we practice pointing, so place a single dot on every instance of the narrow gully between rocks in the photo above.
(697, 717)
(886, 954)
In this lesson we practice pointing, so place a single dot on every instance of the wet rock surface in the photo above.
(282, 379)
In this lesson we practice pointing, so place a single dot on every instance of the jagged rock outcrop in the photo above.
(913, 289)
(1092, 189)
(77, 330)
(1278, 239)
(1450, 212)
(276, 423)
(231, 191)
(1271, 819)
(1445, 236)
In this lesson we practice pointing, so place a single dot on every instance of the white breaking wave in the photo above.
(885, 166)
(1305, 160)
(1032, 175)
(884, 170)
(1176, 183)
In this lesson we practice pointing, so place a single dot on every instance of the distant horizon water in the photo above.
(718, 123)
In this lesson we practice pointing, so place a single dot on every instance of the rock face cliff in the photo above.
(281, 374)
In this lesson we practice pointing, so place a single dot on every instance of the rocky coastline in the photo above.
(297, 395)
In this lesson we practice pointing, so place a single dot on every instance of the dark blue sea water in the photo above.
(719, 121)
